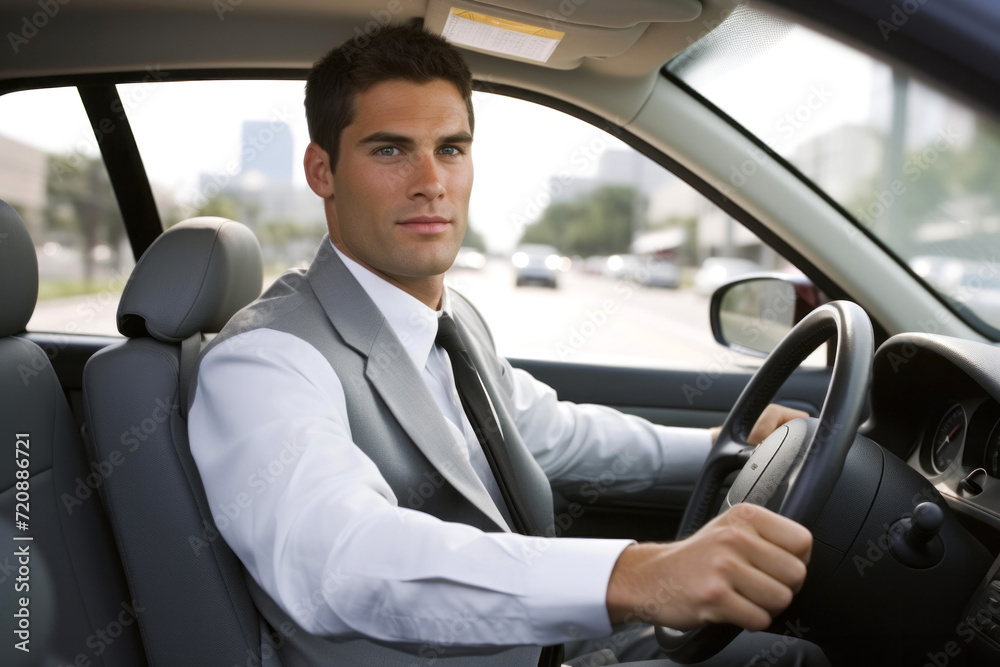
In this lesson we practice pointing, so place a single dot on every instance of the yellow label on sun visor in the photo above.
(503, 36)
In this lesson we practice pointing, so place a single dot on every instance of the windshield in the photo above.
(915, 168)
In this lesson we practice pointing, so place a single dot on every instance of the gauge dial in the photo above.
(948, 438)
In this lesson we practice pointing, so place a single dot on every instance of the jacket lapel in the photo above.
(391, 372)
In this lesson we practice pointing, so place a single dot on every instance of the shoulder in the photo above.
(285, 295)
(263, 362)
(258, 327)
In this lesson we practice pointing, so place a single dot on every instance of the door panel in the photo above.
(680, 397)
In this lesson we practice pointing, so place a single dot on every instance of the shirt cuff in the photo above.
(569, 584)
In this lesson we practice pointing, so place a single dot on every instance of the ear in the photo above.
(318, 173)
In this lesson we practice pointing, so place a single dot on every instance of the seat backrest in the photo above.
(189, 282)
(63, 586)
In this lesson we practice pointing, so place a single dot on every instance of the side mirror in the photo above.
(753, 313)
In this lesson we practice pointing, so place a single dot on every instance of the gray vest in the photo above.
(396, 422)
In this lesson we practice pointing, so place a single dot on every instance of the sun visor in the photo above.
(607, 13)
(558, 33)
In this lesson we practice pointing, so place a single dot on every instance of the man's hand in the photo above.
(774, 415)
(743, 567)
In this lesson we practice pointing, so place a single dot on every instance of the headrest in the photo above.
(18, 272)
(193, 278)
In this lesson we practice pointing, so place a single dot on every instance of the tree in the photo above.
(278, 237)
(474, 239)
(687, 253)
(222, 206)
(933, 185)
(81, 202)
(977, 171)
(597, 223)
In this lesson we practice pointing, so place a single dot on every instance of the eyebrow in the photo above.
(391, 138)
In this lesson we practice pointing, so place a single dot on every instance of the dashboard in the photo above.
(936, 405)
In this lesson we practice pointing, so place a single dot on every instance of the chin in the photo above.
(433, 264)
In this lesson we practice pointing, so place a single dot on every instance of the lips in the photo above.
(425, 224)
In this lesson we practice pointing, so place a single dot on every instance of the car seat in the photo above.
(59, 553)
(189, 282)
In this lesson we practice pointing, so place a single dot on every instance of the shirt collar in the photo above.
(411, 320)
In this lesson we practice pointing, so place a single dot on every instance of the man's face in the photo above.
(402, 181)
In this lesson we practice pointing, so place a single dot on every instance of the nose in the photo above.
(426, 181)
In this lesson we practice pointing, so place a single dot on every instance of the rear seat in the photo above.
(78, 607)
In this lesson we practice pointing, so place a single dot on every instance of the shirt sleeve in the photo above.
(588, 449)
(320, 530)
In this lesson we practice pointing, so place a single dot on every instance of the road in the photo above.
(595, 319)
(588, 318)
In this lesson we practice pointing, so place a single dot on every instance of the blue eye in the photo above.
(387, 151)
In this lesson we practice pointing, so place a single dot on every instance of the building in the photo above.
(615, 167)
(23, 181)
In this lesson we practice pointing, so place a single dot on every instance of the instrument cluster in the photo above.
(963, 433)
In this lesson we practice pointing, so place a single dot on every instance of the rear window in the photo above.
(52, 173)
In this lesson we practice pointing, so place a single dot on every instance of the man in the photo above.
(379, 518)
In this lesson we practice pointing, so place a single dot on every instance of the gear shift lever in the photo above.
(914, 541)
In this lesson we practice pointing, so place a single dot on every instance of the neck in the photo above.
(426, 289)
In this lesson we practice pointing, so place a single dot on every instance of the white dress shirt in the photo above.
(320, 530)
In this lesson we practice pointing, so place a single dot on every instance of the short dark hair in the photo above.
(393, 52)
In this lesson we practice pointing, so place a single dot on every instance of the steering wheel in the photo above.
(821, 449)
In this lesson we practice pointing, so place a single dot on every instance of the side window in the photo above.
(632, 251)
(583, 250)
(242, 160)
(52, 173)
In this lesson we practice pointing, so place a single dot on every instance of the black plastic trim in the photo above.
(931, 41)
(132, 76)
(124, 164)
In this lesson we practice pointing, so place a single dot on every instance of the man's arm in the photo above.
(577, 444)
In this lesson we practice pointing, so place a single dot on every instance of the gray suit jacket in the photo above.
(396, 422)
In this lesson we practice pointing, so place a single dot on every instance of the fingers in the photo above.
(771, 418)
(736, 607)
(737, 589)
(776, 547)
(784, 533)
(765, 598)
(782, 566)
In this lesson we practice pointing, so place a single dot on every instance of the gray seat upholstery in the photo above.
(78, 600)
(189, 282)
